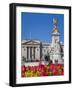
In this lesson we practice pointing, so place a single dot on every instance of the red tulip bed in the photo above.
(42, 70)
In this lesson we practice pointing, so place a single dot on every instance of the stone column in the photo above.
(32, 53)
(29, 53)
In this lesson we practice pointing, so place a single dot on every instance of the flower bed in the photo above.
(42, 70)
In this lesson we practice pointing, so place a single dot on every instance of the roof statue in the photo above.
(55, 23)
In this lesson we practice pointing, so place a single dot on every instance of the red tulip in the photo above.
(33, 68)
(22, 74)
(28, 68)
(52, 66)
(59, 66)
(62, 72)
(23, 68)
(54, 71)
(45, 73)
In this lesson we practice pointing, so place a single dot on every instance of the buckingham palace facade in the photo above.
(34, 49)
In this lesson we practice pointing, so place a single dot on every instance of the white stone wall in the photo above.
(37, 53)
(24, 51)
(44, 51)
(55, 38)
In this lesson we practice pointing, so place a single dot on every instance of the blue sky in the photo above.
(40, 26)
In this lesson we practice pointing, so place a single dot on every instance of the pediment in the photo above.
(33, 42)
